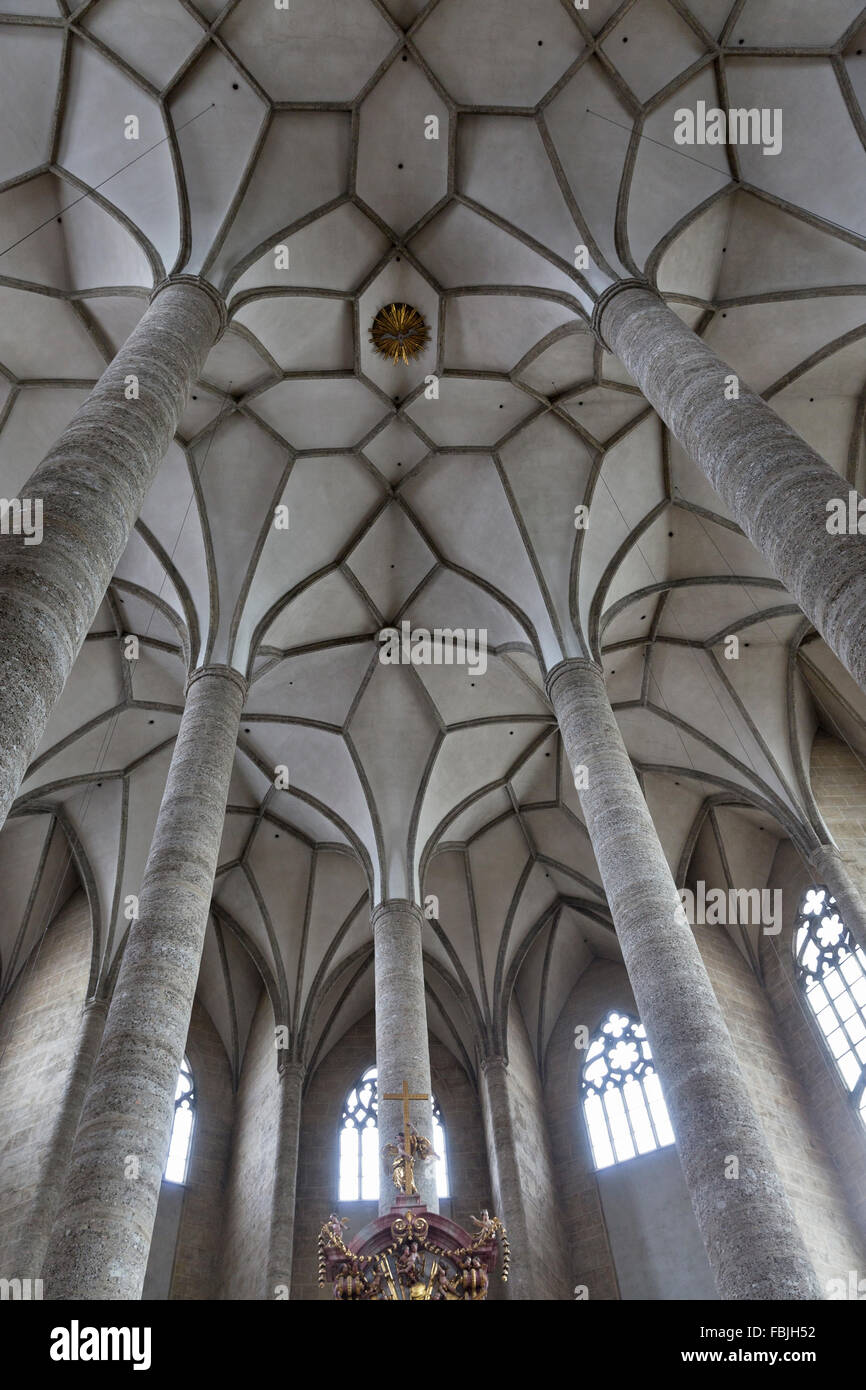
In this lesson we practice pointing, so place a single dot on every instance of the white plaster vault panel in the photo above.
(311, 129)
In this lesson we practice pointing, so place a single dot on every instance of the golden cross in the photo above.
(405, 1097)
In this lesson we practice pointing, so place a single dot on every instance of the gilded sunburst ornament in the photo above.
(399, 332)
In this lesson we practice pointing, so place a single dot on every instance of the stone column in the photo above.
(505, 1174)
(402, 1051)
(30, 1251)
(753, 1243)
(775, 486)
(290, 1082)
(831, 870)
(91, 486)
(101, 1238)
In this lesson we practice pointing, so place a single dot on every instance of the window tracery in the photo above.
(177, 1163)
(359, 1143)
(623, 1104)
(831, 970)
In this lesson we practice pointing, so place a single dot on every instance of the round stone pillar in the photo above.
(290, 1079)
(753, 1243)
(30, 1251)
(775, 486)
(101, 1238)
(402, 1051)
(832, 872)
(508, 1192)
(90, 488)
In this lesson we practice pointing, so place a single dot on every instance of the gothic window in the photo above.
(438, 1138)
(359, 1143)
(623, 1104)
(181, 1130)
(832, 973)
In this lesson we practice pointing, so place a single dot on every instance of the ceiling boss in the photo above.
(399, 332)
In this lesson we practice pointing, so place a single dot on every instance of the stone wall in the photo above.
(839, 786)
(602, 986)
(769, 1058)
(468, 1176)
(197, 1257)
(38, 1029)
(657, 1247)
(812, 1132)
(836, 1129)
(620, 1243)
(318, 1156)
(222, 1246)
(539, 1265)
(244, 1256)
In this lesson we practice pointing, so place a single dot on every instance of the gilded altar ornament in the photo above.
(428, 1257)
(399, 333)
(410, 1227)
(404, 1155)
(413, 1267)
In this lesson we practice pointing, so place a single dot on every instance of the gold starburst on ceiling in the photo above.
(399, 332)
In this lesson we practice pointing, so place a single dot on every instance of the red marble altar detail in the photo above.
(411, 1253)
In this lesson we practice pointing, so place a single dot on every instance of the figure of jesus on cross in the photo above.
(411, 1147)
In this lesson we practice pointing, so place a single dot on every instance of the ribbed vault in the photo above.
(284, 156)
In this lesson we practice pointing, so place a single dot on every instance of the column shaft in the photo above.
(508, 1202)
(291, 1080)
(753, 1244)
(101, 1239)
(33, 1244)
(831, 870)
(91, 486)
(402, 1051)
(775, 486)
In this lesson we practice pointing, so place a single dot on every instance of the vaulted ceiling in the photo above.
(291, 158)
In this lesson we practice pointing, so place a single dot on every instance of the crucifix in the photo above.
(415, 1146)
(405, 1096)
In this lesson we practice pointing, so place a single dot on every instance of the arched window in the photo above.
(439, 1148)
(623, 1103)
(832, 972)
(359, 1143)
(181, 1130)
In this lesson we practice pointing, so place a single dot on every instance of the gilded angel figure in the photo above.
(404, 1155)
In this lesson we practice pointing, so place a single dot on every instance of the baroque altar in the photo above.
(411, 1253)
